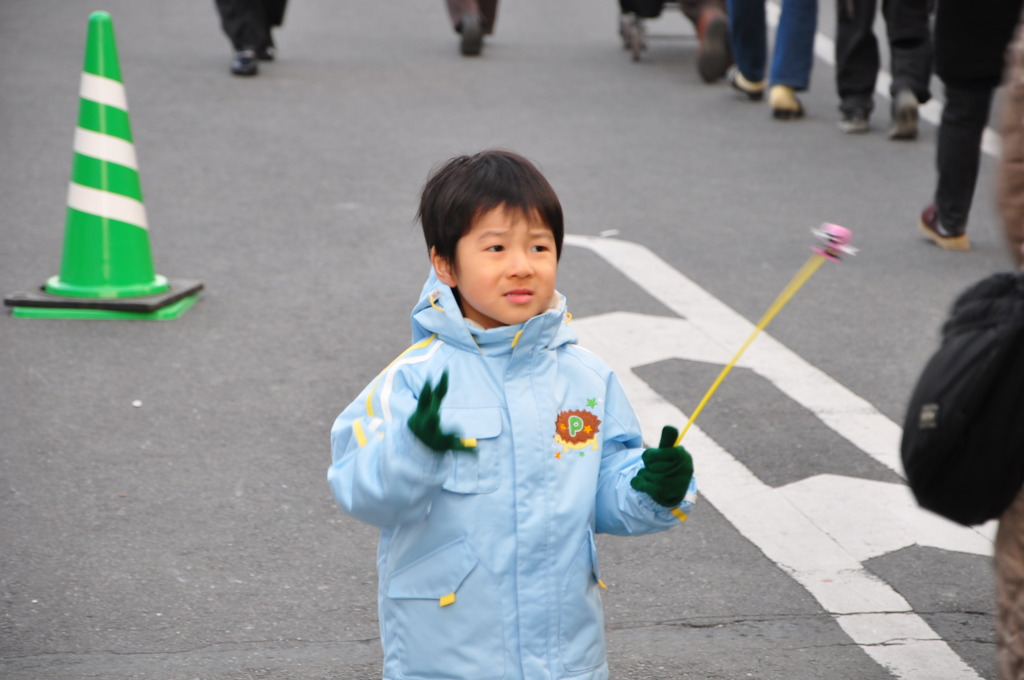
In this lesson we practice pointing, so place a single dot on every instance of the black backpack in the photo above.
(963, 434)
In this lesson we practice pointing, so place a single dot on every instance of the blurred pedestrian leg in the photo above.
(473, 19)
(711, 23)
(970, 42)
(248, 25)
(858, 62)
(793, 54)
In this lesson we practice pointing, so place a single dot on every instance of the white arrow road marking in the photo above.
(818, 530)
(890, 521)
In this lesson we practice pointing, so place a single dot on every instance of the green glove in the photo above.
(667, 471)
(425, 422)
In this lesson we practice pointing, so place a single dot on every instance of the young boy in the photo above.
(492, 450)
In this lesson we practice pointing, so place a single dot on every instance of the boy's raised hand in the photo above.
(425, 422)
(667, 471)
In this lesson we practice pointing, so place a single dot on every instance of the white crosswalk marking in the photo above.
(816, 530)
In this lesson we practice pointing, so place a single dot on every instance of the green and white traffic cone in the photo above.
(107, 269)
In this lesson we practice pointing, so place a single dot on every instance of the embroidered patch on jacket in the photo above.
(576, 430)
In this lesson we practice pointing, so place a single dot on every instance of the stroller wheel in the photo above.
(631, 28)
(624, 22)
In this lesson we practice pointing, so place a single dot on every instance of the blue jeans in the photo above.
(794, 41)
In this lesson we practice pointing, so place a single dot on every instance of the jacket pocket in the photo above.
(443, 618)
(475, 471)
(581, 619)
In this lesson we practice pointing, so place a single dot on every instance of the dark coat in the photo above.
(971, 38)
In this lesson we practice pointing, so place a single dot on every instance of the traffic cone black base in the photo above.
(167, 305)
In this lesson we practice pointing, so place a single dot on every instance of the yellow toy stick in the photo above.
(834, 241)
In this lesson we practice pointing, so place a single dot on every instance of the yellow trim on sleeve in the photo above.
(369, 397)
(357, 430)
(446, 600)
(601, 583)
(469, 441)
(369, 401)
(680, 515)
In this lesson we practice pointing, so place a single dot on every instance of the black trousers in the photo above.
(958, 155)
(247, 23)
(857, 52)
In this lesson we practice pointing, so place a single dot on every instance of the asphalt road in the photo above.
(164, 506)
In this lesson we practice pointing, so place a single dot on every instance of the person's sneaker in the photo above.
(244, 63)
(854, 122)
(932, 229)
(785, 105)
(904, 116)
(266, 53)
(754, 91)
(714, 56)
(472, 35)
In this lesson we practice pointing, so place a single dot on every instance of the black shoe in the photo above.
(244, 63)
(472, 35)
(855, 121)
(268, 53)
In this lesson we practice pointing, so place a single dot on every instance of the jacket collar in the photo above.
(436, 311)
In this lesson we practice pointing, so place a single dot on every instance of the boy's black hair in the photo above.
(466, 187)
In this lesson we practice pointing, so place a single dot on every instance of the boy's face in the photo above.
(505, 268)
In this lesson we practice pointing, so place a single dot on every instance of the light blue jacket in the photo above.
(487, 562)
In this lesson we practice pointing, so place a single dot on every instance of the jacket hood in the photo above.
(437, 312)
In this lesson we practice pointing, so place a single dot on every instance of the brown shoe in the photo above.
(714, 55)
(931, 227)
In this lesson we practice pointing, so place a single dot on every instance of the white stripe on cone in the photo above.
(108, 205)
(103, 91)
(105, 148)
